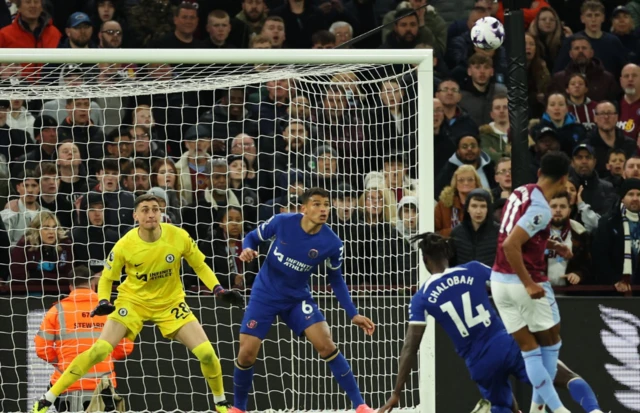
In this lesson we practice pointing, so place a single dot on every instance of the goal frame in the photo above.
(422, 58)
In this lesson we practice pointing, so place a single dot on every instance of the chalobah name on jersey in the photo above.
(445, 285)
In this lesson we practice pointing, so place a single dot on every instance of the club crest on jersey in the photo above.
(252, 324)
(123, 312)
(170, 258)
(313, 253)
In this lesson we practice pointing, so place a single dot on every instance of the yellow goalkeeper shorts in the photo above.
(169, 319)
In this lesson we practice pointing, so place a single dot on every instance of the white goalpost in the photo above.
(356, 122)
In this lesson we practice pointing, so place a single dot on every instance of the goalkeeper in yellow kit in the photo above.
(151, 255)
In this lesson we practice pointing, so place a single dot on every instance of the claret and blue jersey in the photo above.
(457, 299)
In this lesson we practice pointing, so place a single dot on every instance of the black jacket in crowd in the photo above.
(92, 244)
(597, 192)
(601, 149)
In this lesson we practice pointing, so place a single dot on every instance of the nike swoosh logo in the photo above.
(137, 265)
(541, 384)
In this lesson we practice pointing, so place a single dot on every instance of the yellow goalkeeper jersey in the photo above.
(153, 268)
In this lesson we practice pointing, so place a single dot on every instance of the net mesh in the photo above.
(83, 140)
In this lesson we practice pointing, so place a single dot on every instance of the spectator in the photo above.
(119, 144)
(71, 75)
(300, 21)
(164, 174)
(475, 239)
(602, 84)
(478, 92)
(19, 213)
(630, 103)
(253, 14)
(494, 136)
(606, 47)
(191, 165)
(632, 167)
(43, 256)
(238, 171)
(145, 149)
(168, 214)
(13, 143)
(110, 35)
(615, 244)
(460, 49)
(456, 118)
(72, 172)
(20, 118)
(219, 28)
(259, 42)
(392, 119)
(274, 29)
(443, 145)
(550, 31)
(528, 12)
(459, 10)
(79, 32)
(138, 180)
(580, 106)
(67, 330)
(615, 165)
(150, 20)
(77, 127)
(405, 32)
(606, 136)
(92, 238)
(245, 145)
(272, 105)
(118, 203)
(503, 178)
(185, 20)
(449, 210)
(557, 117)
(460, 27)
(31, 28)
(566, 231)
(323, 39)
(293, 148)
(50, 199)
(538, 76)
(432, 29)
(407, 220)
(622, 27)
(599, 194)
(342, 31)
(468, 152)
(545, 140)
(223, 247)
(344, 221)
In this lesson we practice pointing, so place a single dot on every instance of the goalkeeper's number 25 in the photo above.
(470, 320)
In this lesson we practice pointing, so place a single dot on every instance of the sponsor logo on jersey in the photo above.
(170, 258)
(123, 312)
(290, 262)
(111, 256)
(313, 253)
(278, 254)
(252, 324)
(621, 341)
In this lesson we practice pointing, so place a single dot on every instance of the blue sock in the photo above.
(581, 392)
(539, 378)
(536, 398)
(344, 376)
(242, 380)
(550, 358)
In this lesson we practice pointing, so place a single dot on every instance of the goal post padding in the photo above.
(199, 77)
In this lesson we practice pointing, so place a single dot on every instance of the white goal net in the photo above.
(227, 145)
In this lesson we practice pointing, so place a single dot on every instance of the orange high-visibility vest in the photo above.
(67, 330)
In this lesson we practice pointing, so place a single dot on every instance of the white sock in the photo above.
(50, 397)
(219, 399)
(536, 408)
(561, 410)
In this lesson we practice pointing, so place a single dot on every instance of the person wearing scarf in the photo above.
(560, 271)
(616, 243)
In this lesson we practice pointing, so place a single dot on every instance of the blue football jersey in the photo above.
(458, 300)
(292, 257)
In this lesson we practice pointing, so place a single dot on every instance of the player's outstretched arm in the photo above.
(344, 298)
(408, 357)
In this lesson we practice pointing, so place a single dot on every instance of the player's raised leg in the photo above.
(193, 336)
(320, 336)
(110, 336)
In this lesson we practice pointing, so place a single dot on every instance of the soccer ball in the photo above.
(487, 33)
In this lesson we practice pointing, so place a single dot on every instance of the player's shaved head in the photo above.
(145, 198)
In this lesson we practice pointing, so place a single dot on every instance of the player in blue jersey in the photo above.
(299, 243)
(457, 299)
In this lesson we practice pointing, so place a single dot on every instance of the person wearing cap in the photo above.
(31, 28)
(545, 140)
(616, 242)
(597, 193)
(557, 117)
(468, 152)
(92, 238)
(192, 163)
(622, 27)
(606, 136)
(606, 46)
(79, 32)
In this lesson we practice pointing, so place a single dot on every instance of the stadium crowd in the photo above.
(223, 161)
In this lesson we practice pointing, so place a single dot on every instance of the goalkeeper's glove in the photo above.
(228, 296)
(104, 308)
